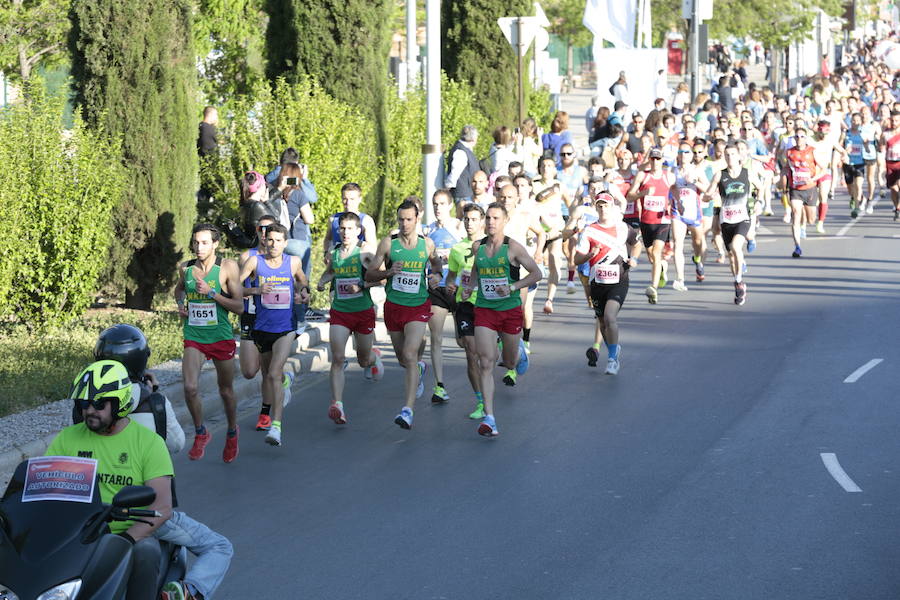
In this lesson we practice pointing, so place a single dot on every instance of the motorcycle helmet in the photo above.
(105, 379)
(125, 344)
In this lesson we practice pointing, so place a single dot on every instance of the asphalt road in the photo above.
(697, 472)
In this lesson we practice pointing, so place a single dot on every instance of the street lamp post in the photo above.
(431, 151)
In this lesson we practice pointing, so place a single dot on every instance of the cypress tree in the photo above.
(475, 51)
(342, 44)
(134, 79)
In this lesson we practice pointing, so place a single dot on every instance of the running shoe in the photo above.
(881, 193)
(744, 268)
(315, 315)
(803, 232)
(679, 286)
(751, 246)
(478, 413)
(862, 207)
(336, 413)
(797, 253)
(652, 294)
(199, 448)
(376, 371)
(786, 218)
(869, 208)
(820, 227)
(668, 251)
(740, 293)
(612, 366)
(301, 327)
(488, 427)
(510, 377)
(698, 268)
(264, 423)
(288, 380)
(663, 275)
(593, 356)
(548, 307)
(230, 452)
(174, 590)
(405, 418)
(896, 214)
(439, 395)
(854, 213)
(720, 259)
(420, 389)
(528, 347)
(570, 287)
(522, 365)
(768, 213)
(273, 438)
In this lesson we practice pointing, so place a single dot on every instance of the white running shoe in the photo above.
(570, 287)
(679, 285)
(869, 208)
(273, 438)
(612, 366)
(376, 371)
(420, 389)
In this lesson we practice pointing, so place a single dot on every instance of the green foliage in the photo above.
(406, 134)
(39, 367)
(540, 106)
(474, 50)
(57, 193)
(228, 39)
(565, 18)
(459, 106)
(135, 79)
(334, 139)
(32, 34)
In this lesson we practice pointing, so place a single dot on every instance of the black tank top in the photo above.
(634, 144)
(734, 190)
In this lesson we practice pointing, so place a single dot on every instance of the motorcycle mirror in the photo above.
(133, 496)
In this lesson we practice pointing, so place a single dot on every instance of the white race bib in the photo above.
(279, 298)
(735, 214)
(344, 288)
(465, 278)
(606, 274)
(406, 282)
(801, 176)
(202, 314)
(489, 287)
(655, 203)
(629, 208)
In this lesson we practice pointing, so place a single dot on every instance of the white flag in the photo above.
(595, 12)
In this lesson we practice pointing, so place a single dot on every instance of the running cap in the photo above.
(604, 198)
(655, 153)
(619, 105)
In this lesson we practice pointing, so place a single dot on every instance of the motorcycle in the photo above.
(55, 542)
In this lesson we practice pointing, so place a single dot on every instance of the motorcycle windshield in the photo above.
(45, 536)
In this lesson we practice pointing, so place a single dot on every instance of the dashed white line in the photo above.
(837, 472)
(855, 375)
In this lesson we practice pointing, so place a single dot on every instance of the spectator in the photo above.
(681, 99)
(255, 204)
(289, 155)
(558, 136)
(296, 190)
(662, 85)
(619, 88)
(601, 125)
(502, 152)
(462, 166)
(591, 115)
(207, 142)
(528, 147)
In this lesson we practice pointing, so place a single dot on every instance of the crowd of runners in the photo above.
(692, 181)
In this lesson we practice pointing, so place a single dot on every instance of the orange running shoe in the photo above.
(231, 447)
(264, 423)
(199, 448)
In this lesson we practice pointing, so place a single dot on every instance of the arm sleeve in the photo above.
(458, 163)
(308, 190)
(174, 432)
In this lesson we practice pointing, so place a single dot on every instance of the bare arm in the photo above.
(374, 272)
(519, 254)
(230, 283)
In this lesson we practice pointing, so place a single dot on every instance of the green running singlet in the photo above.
(348, 272)
(207, 321)
(492, 272)
(409, 287)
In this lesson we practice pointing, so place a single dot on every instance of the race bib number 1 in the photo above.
(344, 287)
(202, 314)
(279, 298)
(405, 282)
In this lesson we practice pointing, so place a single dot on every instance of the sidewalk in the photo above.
(312, 354)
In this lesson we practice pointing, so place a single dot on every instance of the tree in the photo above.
(343, 45)
(32, 33)
(228, 38)
(565, 18)
(475, 51)
(134, 79)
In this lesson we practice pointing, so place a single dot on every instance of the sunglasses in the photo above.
(566, 153)
(97, 403)
(685, 152)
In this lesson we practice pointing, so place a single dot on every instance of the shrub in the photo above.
(540, 106)
(57, 192)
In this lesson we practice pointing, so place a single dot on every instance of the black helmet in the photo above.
(126, 344)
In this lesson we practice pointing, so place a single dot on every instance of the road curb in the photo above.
(312, 353)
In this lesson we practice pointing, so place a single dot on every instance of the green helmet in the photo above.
(105, 379)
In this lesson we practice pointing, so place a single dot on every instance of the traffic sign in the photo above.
(529, 27)
(704, 9)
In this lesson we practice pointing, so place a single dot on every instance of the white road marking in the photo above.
(852, 222)
(838, 473)
(765, 230)
(863, 370)
(897, 235)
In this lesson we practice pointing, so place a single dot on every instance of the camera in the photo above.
(291, 181)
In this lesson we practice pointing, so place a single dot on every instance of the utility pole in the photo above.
(520, 51)
(412, 49)
(695, 48)
(431, 151)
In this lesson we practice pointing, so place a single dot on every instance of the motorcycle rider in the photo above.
(129, 454)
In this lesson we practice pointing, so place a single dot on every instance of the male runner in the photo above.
(460, 266)
(733, 186)
(802, 172)
(603, 246)
(280, 282)
(351, 198)
(855, 164)
(352, 311)
(407, 308)
(208, 289)
(498, 307)
(535, 244)
(445, 232)
(687, 216)
(650, 190)
(891, 143)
